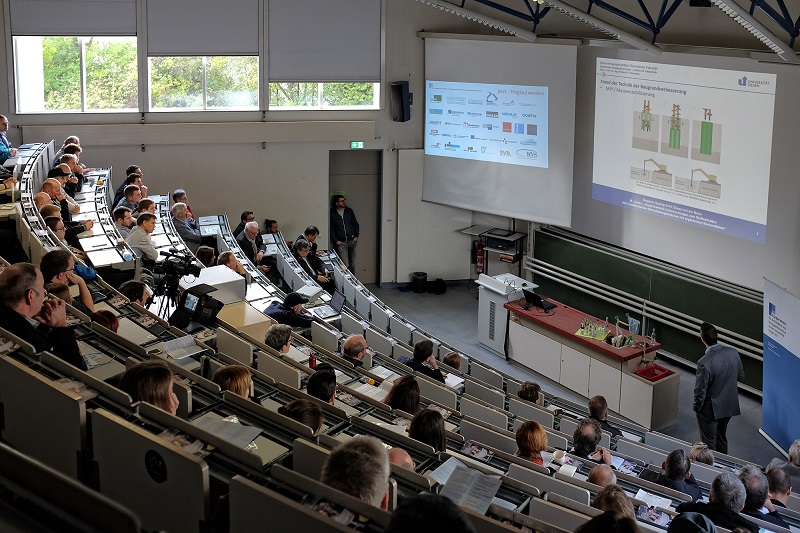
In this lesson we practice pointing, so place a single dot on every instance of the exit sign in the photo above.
(357, 144)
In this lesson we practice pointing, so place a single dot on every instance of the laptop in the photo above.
(535, 300)
(326, 311)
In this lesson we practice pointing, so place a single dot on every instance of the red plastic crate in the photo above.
(653, 372)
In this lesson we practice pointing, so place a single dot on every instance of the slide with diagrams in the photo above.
(690, 144)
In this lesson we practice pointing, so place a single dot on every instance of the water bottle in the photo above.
(127, 255)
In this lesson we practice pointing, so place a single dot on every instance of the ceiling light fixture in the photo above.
(748, 22)
(483, 19)
(605, 27)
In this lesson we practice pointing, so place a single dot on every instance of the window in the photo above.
(324, 95)
(76, 74)
(199, 83)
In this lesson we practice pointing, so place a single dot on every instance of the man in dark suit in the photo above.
(756, 489)
(25, 313)
(251, 243)
(726, 501)
(676, 475)
(716, 397)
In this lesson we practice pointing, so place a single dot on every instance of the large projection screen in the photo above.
(499, 127)
(743, 258)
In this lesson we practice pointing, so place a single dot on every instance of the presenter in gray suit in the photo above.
(716, 397)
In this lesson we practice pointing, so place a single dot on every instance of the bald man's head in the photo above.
(51, 186)
(602, 475)
(400, 457)
(354, 347)
(41, 199)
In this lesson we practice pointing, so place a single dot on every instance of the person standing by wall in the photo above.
(344, 231)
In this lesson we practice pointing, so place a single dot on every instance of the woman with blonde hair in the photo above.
(234, 378)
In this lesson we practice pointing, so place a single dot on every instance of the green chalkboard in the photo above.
(687, 296)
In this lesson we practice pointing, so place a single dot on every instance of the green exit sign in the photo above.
(357, 144)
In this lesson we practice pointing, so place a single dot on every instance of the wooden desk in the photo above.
(548, 344)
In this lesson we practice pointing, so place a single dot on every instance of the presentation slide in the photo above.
(687, 143)
(780, 416)
(483, 122)
(493, 111)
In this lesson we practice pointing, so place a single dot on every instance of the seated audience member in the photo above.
(180, 196)
(676, 475)
(234, 378)
(131, 198)
(399, 457)
(322, 384)
(360, 468)
(76, 150)
(57, 197)
(61, 175)
(290, 311)
(60, 291)
(531, 441)
(792, 466)
(780, 487)
(453, 360)
(271, 226)
(25, 313)
(530, 391)
(609, 522)
(58, 266)
(247, 216)
(354, 349)
(139, 239)
(726, 501)
(429, 513)
(404, 395)
(602, 475)
(135, 291)
(692, 523)
(146, 205)
(107, 319)
(423, 356)
(187, 229)
(756, 489)
(72, 139)
(229, 260)
(73, 228)
(586, 441)
(598, 410)
(310, 234)
(205, 254)
(312, 265)
(279, 338)
(151, 382)
(56, 224)
(304, 411)
(74, 182)
(119, 194)
(251, 244)
(701, 454)
(6, 149)
(123, 221)
(428, 427)
(612, 498)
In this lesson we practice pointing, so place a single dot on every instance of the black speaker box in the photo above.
(401, 101)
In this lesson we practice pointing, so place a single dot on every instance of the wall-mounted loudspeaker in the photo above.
(401, 101)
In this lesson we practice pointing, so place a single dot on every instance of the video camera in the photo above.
(177, 264)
